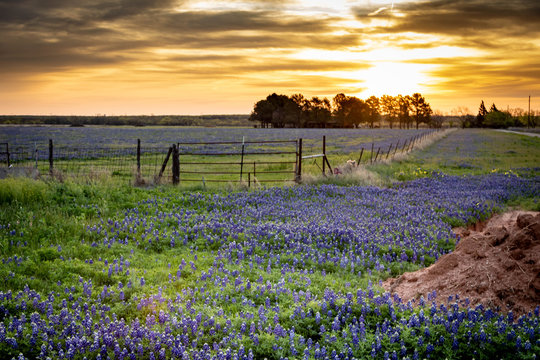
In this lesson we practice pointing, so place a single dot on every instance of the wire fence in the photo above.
(248, 162)
(60, 162)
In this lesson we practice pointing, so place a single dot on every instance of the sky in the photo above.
(121, 57)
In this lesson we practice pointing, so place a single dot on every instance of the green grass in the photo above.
(470, 151)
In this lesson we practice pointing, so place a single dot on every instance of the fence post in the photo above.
(324, 154)
(50, 157)
(164, 165)
(7, 153)
(371, 155)
(138, 158)
(242, 160)
(299, 162)
(360, 158)
(402, 150)
(395, 150)
(388, 153)
(254, 171)
(376, 156)
(249, 179)
(175, 165)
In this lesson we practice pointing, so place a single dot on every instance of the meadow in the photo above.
(106, 270)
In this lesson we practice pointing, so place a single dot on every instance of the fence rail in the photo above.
(255, 162)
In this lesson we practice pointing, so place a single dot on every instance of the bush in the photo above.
(498, 120)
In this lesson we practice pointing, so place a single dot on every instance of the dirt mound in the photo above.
(496, 264)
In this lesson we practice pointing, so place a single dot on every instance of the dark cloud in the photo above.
(485, 76)
(53, 35)
(465, 18)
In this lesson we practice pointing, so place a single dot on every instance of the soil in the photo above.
(495, 263)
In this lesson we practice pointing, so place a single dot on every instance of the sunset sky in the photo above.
(121, 57)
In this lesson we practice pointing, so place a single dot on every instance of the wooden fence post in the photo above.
(376, 156)
(50, 157)
(324, 154)
(164, 165)
(299, 162)
(388, 153)
(371, 155)
(138, 158)
(360, 158)
(395, 150)
(175, 165)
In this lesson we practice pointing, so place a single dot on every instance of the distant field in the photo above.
(470, 151)
(338, 140)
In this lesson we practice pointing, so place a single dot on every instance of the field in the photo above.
(107, 270)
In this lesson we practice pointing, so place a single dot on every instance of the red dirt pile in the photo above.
(496, 264)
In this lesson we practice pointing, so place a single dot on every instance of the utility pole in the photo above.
(529, 116)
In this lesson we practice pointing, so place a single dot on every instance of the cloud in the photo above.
(205, 44)
(513, 18)
(58, 34)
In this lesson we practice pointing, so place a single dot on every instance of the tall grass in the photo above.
(22, 190)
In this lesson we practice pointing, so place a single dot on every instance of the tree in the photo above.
(277, 110)
(498, 120)
(299, 108)
(357, 112)
(349, 111)
(262, 112)
(373, 108)
(404, 104)
(390, 108)
(341, 108)
(421, 109)
(320, 112)
(482, 112)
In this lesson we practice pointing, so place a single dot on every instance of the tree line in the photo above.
(129, 120)
(343, 111)
(495, 118)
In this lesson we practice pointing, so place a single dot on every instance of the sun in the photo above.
(392, 78)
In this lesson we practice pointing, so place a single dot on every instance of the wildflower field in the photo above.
(102, 271)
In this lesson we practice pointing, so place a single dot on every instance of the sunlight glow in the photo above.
(393, 78)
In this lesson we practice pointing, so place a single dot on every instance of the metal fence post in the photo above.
(139, 158)
(51, 157)
(299, 162)
(7, 153)
(242, 160)
(324, 153)
(175, 166)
